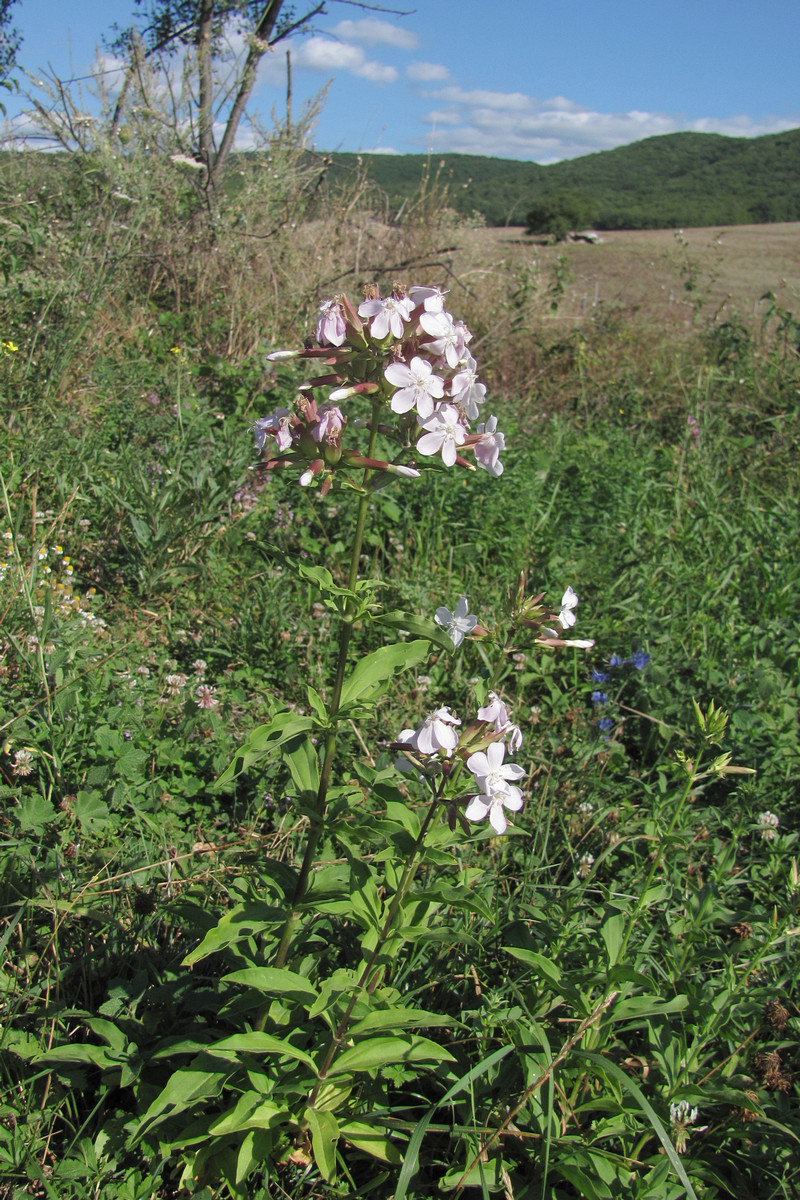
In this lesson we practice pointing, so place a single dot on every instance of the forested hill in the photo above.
(674, 180)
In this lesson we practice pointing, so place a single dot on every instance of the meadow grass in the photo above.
(629, 947)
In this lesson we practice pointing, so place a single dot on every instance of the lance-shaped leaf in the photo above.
(264, 741)
(324, 1136)
(382, 1051)
(420, 627)
(374, 670)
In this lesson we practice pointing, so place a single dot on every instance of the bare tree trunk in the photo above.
(259, 44)
(288, 95)
(205, 130)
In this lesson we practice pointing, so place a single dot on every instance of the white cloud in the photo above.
(427, 72)
(376, 33)
(112, 70)
(325, 55)
(444, 116)
(513, 125)
(512, 101)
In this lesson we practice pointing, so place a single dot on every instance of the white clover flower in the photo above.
(681, 1117)
(585, 865)
(769, 824)
(175, 683)
(682, 1112)
(458, 623)
(23, 762)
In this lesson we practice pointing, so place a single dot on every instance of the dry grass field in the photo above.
(646, 272)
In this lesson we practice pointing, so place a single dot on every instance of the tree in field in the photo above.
(203, 28)
(559, 214)
(9, 40)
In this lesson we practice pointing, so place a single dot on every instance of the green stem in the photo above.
(345, 633)
(364, 977)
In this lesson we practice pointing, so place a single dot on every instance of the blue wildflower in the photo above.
(605, 723)
(615, 661)
(639, 659)
(600, 677)
(599, 698)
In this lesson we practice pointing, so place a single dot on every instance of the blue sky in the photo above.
(529, 79)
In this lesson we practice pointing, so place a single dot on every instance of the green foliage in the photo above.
(560, 214)
(675, 180)
(10, 41)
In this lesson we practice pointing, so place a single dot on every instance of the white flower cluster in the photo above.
(769, 824)
(405, 350)
(495, 779)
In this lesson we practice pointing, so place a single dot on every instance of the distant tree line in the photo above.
(662, 182)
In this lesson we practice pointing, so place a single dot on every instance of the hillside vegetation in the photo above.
(680, 179)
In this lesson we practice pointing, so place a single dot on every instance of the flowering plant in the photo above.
(408, 356)
(320, 1026)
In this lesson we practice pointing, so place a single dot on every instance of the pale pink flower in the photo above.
(417, 386)
(205, 696)
(331, 327)
(444, 433)
(488, 447)
(447, 343)
(436, 733)
(569, 601)
(431, 298)
(389, 315)
(465, 390)
(330, 424)
(406, 737)
(277, 425)
(496, 713)
(493, 778)
(458, 623)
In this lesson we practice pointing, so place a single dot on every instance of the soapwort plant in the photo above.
(304, 960)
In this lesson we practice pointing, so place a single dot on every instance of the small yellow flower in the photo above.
(175, 350)
(9, 347)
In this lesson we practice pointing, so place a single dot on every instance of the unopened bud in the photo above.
(358, 389)
(282, 355)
